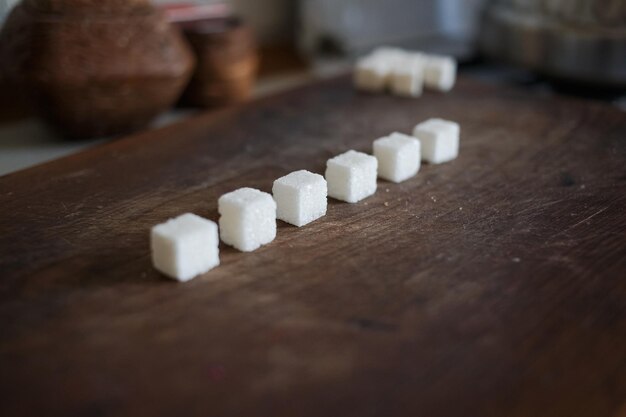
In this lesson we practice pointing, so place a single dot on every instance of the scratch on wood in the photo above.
(586, 219)
(534, 208)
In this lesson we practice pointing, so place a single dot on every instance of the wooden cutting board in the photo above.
(494, 285)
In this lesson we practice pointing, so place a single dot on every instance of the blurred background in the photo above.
(75, 73)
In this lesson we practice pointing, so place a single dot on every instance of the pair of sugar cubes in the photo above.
(248, 216)
(188, 245)
(404, 73)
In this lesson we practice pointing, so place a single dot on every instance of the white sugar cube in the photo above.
(398, 157)
(371, 74)
(247, 218)
(185, 247)
(300, 197)
(439, 139)
(440, 72)
(407, 76)
(351, 176)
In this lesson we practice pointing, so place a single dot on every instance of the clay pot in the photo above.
(227, 62)
(95, 67)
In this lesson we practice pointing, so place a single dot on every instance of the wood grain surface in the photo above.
(494, 285)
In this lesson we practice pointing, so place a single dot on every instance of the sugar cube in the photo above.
(371, 74)
(300, 197)
(398, 157)
(185, 247)
(439, 139)
(247, 218)
(407, 76)
(440, 72)
(351, 176)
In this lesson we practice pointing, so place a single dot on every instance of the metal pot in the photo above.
(573, 40)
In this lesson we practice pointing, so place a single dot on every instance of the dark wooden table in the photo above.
(494, 285)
